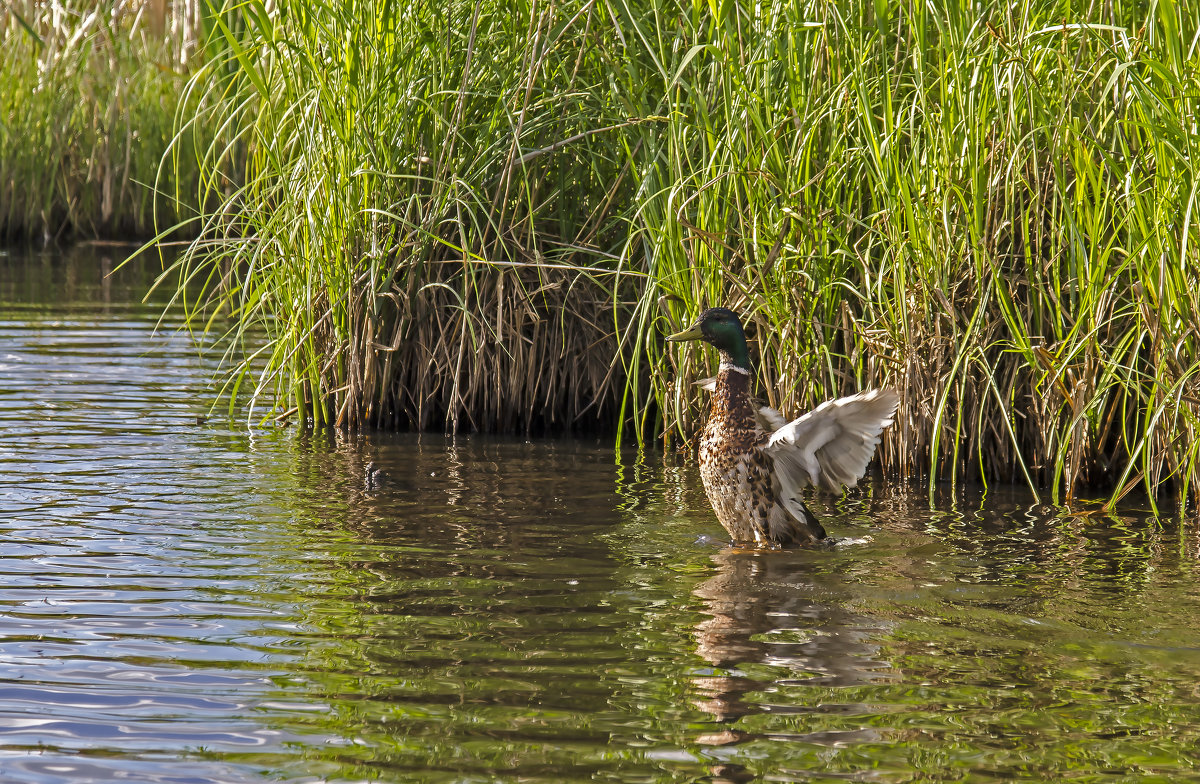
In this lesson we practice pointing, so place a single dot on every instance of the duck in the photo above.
(755, 465)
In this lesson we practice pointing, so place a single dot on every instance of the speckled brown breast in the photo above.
(736, 474)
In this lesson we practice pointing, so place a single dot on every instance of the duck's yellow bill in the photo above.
(691, 333)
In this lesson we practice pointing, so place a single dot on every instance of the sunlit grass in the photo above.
(87, 111)
(473, 215)
(993, 214)
(419, 250)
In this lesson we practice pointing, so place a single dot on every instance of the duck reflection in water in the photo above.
(756, 596)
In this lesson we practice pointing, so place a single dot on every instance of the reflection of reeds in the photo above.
(87, 113)
(460, 214)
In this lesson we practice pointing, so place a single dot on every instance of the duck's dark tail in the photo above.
(792, 522)
(810, 520)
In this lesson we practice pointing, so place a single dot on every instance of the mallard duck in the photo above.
(755, 464)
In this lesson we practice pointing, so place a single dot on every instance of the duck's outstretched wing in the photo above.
(830, 446)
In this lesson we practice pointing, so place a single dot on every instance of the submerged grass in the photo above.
(484, 215)
(87, 112)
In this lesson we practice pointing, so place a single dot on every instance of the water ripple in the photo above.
(183, 599)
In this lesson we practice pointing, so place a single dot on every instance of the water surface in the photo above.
(195, 600)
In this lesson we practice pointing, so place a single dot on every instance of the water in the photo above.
(198, 601)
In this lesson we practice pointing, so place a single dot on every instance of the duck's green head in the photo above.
(721, 328)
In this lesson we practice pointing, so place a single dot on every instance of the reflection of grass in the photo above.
(86, 115)
(482, 215)
(478, 621)
(471, 623)
(989, 637)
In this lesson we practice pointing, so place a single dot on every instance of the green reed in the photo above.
(482, 215)
(87, 113)
(419, 217)
(993, 214)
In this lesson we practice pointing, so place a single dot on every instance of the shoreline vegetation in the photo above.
(88, 110)
(487, 215)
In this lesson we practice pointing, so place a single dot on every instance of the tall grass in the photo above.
(995, 214)
(421, 222)
(87, 111)
(486, 215)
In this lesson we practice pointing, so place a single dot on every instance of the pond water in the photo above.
(186, 600)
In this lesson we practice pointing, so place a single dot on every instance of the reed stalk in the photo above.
(420, 222)
(995, 214)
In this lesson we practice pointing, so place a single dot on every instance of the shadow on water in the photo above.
(197, 600)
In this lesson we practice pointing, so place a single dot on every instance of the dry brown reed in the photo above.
(425, 357)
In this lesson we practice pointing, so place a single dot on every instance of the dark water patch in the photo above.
(206, 602)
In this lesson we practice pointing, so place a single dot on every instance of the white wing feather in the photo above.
(830, 446)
